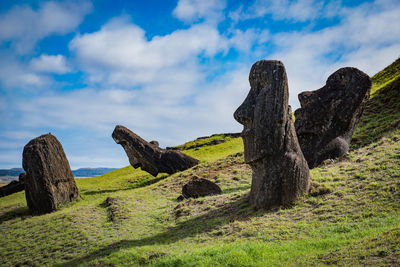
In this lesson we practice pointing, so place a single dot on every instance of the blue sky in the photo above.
(169, 70)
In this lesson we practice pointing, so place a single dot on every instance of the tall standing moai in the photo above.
(271, 148)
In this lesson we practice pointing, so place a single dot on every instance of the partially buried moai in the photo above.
(328, 116)
(271, 148)
(49, 179)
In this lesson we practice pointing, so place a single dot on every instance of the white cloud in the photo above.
(50, 64)
(297, 11)
(164, 70)
(10, 145)
(10, 159)
(164, 87)
(15, 74)
(214, 106)
(193, 10)
(24, 27)
(144, 112)
(3, 104)
(18, 134)
(119, 53)
(98, 110)
(367, 38)
(245, 41)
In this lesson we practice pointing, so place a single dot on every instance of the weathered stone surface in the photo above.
(200, 188)
(154, 143)
(48, 179)
(280, 172)
(21, 177)
(328, 116)
(149, 157)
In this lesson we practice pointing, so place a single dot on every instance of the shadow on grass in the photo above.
(96, 192)
(15, 213)
(236, 189)
(238, 210)
(132, 185)
(24, 211)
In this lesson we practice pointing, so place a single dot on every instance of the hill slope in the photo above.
(127, 217)
(382, 114)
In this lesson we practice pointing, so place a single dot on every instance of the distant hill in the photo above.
(91, 172)
(11, 172)
(7, 175)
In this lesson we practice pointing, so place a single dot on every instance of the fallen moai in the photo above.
(280, 172)
(13, 186)
(149, 157)
(49, 179)
(328, 116)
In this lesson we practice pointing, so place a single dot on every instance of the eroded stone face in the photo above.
(328, 116)
(49, 179)
(263, 112)
(280, 172)
(148, 156)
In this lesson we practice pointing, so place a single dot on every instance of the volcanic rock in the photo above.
(21, 177)
(11, 188)
(328, 116)
(154, 143)
(150, 157)
(200, 188)
(48, 179)
(271, 148)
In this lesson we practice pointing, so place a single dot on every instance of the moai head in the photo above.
(264, 112)
(328, 116)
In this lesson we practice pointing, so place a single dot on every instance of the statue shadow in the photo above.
(25, 212)
(96, 192)
(15, 213)
(132, 185)
(238, 210)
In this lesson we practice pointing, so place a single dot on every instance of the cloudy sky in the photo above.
(169, 70)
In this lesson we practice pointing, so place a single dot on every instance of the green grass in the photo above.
(129, 178)
(386, 76)
(382, 113)
(216, 152)
(303, 251)
(128, 218)
(205, 141)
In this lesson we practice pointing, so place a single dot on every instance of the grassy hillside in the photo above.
(386, 76)
(382, 114)
(127, 217)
